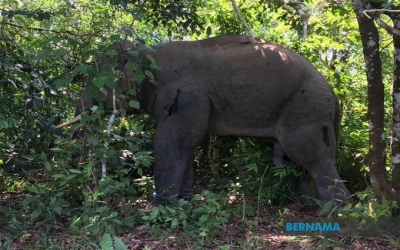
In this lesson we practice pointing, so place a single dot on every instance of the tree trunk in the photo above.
(395, 143)
(370, 41)
(377, 155)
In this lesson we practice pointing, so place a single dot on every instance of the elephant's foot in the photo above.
(160, 200)
(186, 197)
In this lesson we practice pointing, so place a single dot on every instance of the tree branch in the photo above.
(236, 8)
(40, 29)
(375, 14)
(388, 28)
(106, 143)
(378, 12)
(304, 17)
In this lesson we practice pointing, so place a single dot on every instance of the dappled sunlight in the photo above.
(264, 48)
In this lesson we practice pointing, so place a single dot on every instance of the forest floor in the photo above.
(268, 233)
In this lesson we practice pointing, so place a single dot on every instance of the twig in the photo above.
(244, 207)
(259, 192)
(120, 138)
(236, 8)
(189, 246)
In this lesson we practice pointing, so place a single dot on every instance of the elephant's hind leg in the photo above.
(314, 148)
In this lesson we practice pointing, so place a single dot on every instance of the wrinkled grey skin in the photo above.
(228, 86)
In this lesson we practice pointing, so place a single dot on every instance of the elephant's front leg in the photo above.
(172, 173)
(185, 191)
(177, 135)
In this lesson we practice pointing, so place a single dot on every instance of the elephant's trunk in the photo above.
(73, 121)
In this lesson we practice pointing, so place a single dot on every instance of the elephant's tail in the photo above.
(336, 122)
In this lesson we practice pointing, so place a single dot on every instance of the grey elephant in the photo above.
(229, 86)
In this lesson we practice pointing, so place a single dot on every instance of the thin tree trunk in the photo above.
(236, 8)
(370, 41)
(213, 157)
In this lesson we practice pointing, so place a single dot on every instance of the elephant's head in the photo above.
(111, 84)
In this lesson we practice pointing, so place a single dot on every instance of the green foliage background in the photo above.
(46, 52)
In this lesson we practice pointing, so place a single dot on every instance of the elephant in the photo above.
(229, 86)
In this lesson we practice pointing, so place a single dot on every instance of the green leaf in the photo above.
(174, 223)
(123, 111)
(209, 31)
(132, 91)
(60, 52)
(28, 201)
(58, 141)
(134, 104)
(47, 166)
(94, 108)
(99, 82)
(154, 213)
(57, 176)
(93, 140)
(106, 242)
(32, 189)
(44, 16)
(187, 23)
(114, 38)
(138, 78)
(337, 76)
(149, 74)
(43, 156)
(128, 30)
(74, 42)
(81, 68)
(154, 82)
(112, 84)
(35, 214)
(134, 147)
(74, 171)
(69, 177)
(57, 209)
(61, 82)
(56, 149)
(42, 54)
(53, 40)
(150, 58)
(119, 245)
(203, 218)
(387, 6)
(326, 208)
(111, 52)
(156, 66)
(59, 194)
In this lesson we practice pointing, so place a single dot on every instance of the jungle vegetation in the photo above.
(47, 49)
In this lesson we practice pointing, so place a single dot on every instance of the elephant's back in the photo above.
(232, 60)
(245, 82)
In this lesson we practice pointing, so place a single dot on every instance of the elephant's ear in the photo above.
(127, 81)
